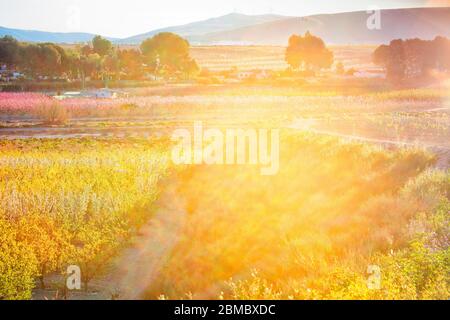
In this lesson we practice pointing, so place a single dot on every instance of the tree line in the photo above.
(167, 55)
(164, 55)
(414, 59)
(403, 60)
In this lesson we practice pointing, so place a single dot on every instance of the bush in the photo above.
(49, 242)
(18, 265)
(129, 107)
(53, 113)
(71, 202)
(351, 72)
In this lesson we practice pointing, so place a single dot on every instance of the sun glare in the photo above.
(243, 157)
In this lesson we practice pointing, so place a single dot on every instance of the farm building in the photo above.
(255, 74)
(104, 93)
(9, 75)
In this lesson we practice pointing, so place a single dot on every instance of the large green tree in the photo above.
(167, 53)
(41, 59)
(101, 46)
(9, 51)
(130, 62)
(308, 52)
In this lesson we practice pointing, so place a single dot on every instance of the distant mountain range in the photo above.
(342, 28)
(43, 36)
(240, 29)
(203, 28)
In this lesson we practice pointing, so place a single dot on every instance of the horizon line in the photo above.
(114, 38)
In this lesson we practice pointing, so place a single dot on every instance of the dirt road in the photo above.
(442, 151)
(136, 268)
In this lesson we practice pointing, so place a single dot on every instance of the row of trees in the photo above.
(72, 203)
(413, 59)
(164, 55)
(167, 55)
(403, 60)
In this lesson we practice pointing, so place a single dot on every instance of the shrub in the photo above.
(49, 242)
(70, 202)
(18, 265)
(129, 107)
(53, 113)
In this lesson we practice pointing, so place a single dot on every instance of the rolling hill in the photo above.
(198, 29)
(342, 28)
(240, 29)
(43, 36)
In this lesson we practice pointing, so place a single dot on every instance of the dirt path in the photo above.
(135, 269)
(442, 151)
(138, 266)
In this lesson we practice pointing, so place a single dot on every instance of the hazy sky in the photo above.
(122, 18)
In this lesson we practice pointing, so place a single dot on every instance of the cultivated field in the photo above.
(219, 58)
(271, 57)
(363, 181)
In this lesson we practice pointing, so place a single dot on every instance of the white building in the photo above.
(104, 93)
